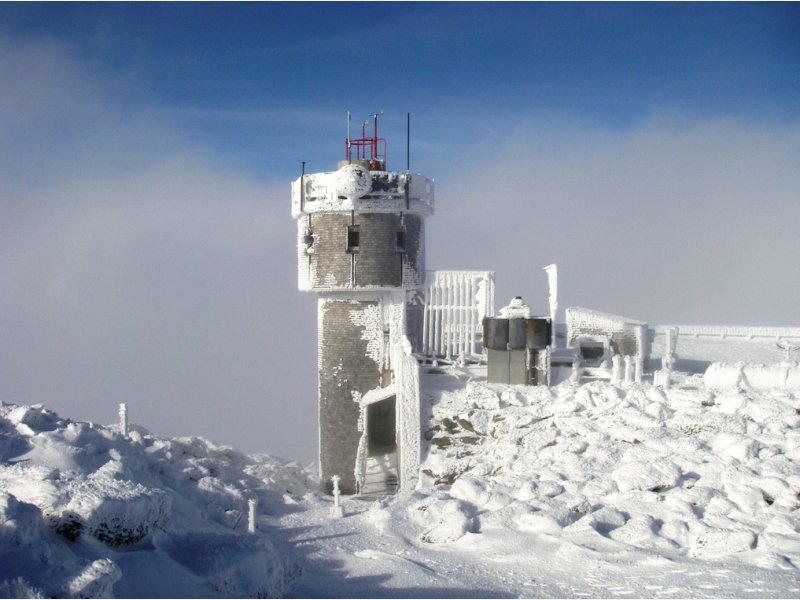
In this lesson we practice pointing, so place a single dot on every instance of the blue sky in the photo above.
(267, 85)
(651, 150)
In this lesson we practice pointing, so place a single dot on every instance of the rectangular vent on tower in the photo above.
(353, 238)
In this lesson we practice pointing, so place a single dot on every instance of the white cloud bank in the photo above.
(135, 269)
(677, 220)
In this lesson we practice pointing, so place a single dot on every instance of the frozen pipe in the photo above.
(784, 376)
(638, 368)
(252, 503)
(123, 418)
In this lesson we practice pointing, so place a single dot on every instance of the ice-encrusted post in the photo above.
(552, 282)
(628, 370)
(575, 376)
(616, 369)
(336, 510)
(666, 371)
(252, 503)
(123, 419)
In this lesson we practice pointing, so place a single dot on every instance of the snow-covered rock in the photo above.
(73, 494)
(706, 474)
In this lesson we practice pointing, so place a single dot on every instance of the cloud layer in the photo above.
(676, 221)
(136, 269)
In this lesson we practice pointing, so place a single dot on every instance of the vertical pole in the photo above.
(123, 419)
(303, 186)
(375, 137)
(348, 137)
(426, 321)
(251, 515)
(408, 141)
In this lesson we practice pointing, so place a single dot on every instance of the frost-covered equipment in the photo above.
(361, 248)
(516, 344)
(589, 330)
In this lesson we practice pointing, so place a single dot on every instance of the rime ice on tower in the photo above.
(361, 248)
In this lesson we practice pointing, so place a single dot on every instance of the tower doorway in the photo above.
(381, 463)
(381, 418)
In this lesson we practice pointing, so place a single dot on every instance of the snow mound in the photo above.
(686, 472)
(72, 495)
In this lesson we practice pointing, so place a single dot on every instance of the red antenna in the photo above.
(368, 147)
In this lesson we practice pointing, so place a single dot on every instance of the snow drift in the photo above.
(87, 512)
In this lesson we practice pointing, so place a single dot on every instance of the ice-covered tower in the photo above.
(361, 248)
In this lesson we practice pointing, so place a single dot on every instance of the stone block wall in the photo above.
(378, 262)
(347, 366)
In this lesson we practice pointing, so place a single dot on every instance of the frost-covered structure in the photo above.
(361, 247)
(453, 305)
(517, 344)
(598, 336)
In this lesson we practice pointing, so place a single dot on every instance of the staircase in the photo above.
(380, 476)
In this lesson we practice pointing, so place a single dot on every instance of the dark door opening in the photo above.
(381, 426)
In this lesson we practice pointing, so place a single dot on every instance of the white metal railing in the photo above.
(455, 304)
(697, 331)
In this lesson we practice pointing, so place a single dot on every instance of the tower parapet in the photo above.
(361, 229)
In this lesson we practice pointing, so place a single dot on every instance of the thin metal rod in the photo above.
(303, 187)
(408, 141)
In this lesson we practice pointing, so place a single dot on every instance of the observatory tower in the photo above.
(361, 249)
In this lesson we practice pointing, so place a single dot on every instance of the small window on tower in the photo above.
(353, 238)
(308, 240)
(400, 242)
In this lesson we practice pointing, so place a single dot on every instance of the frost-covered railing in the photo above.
(455, 304)
(750, 333)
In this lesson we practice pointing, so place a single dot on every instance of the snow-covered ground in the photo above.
(579, 490)
(86, 512)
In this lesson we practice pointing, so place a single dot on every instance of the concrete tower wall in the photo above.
(339, 251)
(347, 366)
